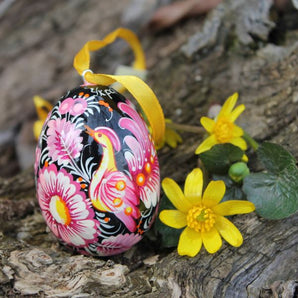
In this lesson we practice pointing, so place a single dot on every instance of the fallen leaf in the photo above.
(169, 15)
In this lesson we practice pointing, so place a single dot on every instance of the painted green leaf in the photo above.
(219, 158)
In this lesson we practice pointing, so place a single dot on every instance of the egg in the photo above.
(97, 172)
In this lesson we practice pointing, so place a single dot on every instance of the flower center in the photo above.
(200, 218)
(223, 130)
(59, 210)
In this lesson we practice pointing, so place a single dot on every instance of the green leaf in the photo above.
(233, 190)
(274, 195)
(234, 193)
(274, 157)
(169, 236)
(219, 158)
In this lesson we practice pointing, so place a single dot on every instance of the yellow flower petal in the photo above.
(211, 240)
(244, 158)
(193, 186)
(207, 144)
(37, 127)
(228, 106)
(239, 142)
(190, 243)
(173, 218)
(228, 231)
(234, 207)
(42, 106)
(175, 195)
(237, 131)
(172, 138)
(214, 193)
(236, 113)
(207, 123)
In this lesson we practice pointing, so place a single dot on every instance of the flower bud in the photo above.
(238, 171)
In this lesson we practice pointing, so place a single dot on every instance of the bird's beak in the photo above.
(89, 131)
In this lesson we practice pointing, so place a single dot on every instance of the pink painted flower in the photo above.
(65, 208)
(79, 106)
(142, 159)
(118, 244)
(66, 105)
(64, 141)
(73, 106)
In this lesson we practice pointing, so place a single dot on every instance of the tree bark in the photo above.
(236, 55)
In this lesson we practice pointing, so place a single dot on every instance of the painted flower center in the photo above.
(148, 168)
(140, 179)
(117, 202)
(120, 185)
(223, 130)
(128, 211)
(59, 210)
(200, 218)
(152, 159)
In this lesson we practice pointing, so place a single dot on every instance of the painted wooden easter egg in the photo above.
(97, 173)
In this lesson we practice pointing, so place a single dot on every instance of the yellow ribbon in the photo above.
(138, 88)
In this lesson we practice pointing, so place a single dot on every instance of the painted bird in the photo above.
(111, 190)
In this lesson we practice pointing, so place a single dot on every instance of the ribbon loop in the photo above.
(137, 87)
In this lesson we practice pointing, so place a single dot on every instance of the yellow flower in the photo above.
(222, 129)
(43, 107)
(172, 138)
(202, 215)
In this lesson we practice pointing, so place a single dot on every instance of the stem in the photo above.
(184, 127)
(250, 141)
